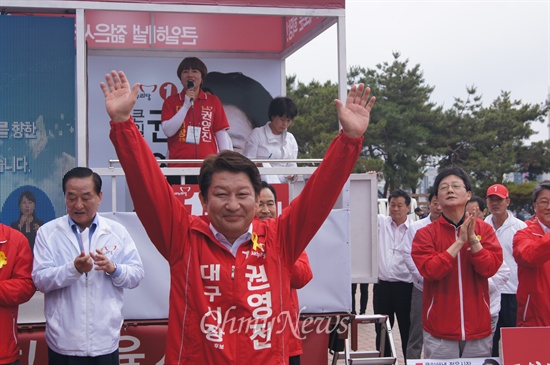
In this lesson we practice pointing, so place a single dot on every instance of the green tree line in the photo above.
(408, 133)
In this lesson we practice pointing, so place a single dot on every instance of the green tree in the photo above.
(459, 124)
(402, 121)
(488, 142)
(535, 159)
(317, 122)
(521, 196)
(408, 133)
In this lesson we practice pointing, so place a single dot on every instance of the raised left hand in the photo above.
(355, 115)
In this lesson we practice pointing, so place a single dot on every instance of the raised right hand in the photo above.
(354, 116)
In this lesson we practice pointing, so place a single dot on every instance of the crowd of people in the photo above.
(472, 273)
(452, 279)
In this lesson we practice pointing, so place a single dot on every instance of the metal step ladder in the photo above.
(352, 356)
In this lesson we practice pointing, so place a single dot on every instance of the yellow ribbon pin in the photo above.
(479, 237)
(3, 260)
(255, 242)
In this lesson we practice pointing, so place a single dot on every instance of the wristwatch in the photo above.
(114, 263)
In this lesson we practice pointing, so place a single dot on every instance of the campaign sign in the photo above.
(461, 361)
(189, 196)
(526, 345)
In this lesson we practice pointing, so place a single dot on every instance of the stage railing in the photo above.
(302, 171)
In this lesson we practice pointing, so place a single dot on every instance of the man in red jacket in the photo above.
(16, 287)
(230, 274)
(532, 253)
(301, 273)
(456, 255)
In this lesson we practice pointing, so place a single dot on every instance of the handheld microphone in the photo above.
(190, 85)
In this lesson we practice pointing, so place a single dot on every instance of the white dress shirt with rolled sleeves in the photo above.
(391, 266)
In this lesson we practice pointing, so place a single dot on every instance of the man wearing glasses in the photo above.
(456, 255)
(532, 254)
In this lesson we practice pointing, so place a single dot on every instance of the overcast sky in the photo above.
(494, 45)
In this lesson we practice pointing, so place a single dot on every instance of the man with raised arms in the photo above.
(230, 275)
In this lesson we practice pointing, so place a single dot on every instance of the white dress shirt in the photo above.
(391, 266)
(406, 248)
(263, 144)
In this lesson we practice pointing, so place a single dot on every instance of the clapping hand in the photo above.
(83, 263)
(102, 262)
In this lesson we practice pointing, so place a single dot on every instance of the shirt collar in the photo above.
(404, 224)
(220, 237)
(202, 95)
(271, 136)
(544, 228)
(456, 225)
(76, 228)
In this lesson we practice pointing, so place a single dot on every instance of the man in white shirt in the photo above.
(414, 345)
(506, 226)
(392, 293)
(82, 264)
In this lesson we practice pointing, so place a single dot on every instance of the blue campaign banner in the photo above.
(37, 118)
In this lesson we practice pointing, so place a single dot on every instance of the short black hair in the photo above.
(265, 185)
(400, 193)
(27, 194)
(30, 197)
(230, 161)
(282, 106)
(480, 202)
(241, 91)
(192, 63)
(454, 170)
(82, 173)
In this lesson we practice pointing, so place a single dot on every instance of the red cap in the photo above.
(498, 190)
